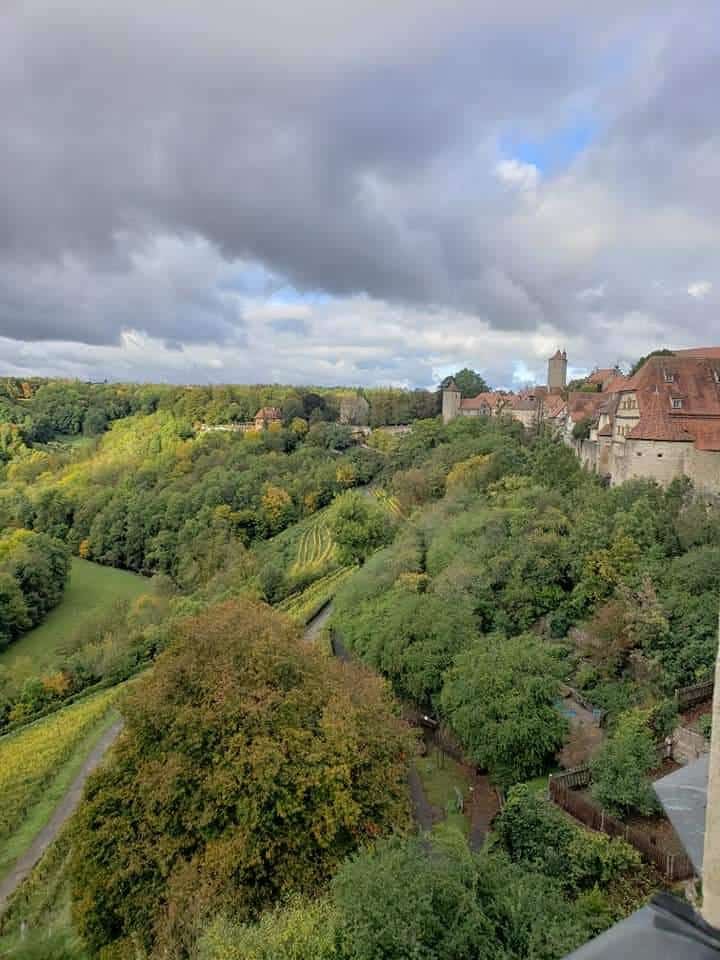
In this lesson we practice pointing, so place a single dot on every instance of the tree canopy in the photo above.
(469, 382)
(250, 767)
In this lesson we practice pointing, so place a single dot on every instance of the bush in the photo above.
(412, 900)
(534, 832)
(620, 771)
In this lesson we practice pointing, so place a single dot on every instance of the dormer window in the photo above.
(669, 376)
(677, 403)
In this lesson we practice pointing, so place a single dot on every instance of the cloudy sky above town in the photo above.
(311, 191)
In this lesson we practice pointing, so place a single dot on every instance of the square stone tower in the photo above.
(451, 397)
(557, 372)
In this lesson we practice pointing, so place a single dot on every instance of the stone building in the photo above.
(662, 423)
(354, 410)
(529, 406)
(267, 416)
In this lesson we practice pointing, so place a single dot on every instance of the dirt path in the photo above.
(315, 626)
(63, 811)
(483, 806)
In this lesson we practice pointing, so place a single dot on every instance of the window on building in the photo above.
(659, 455)
(677, 403)
(716, 375)
(669, 376)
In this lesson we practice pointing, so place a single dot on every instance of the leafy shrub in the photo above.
(534, 832)
(620, 770)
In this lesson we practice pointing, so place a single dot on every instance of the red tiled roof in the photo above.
(689, 376)
(489, 399)
(269, 413)
(706, 433)
(554, 406)
(656, 424)
(616, 384)
(709, 353)
(601, 375)
(581, 405)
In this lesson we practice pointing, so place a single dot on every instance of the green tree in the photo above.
(14, 616)
(299, 930)
(470, 383)
(499, 698)
(359, 527)
(413, 900)
(251, 766)
(620, 771)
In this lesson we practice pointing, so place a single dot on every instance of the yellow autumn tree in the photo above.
(277, 507)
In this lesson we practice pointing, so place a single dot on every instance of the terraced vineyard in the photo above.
(316, 548)
(304, 605)
(387, 500)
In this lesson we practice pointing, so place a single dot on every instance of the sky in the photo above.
(378, 192)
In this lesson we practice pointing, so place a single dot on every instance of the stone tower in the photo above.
(451, 397)
(557, 372)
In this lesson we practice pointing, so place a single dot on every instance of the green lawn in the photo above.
(91, 588)
(440, 776)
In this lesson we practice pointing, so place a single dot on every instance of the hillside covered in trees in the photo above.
(256, 805)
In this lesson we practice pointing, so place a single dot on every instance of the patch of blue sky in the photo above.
(255, 280)
(555, 151)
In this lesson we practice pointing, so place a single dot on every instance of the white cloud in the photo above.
(525, 176)
(700, 289)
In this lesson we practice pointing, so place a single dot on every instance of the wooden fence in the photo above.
(674, 866)
(697, 693)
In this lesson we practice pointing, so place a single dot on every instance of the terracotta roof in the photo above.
(601, 375)
(616, 384)
(269, 413)
(554, 406)
(706, 433)
(489, 399)
(523, 401)
(581, 405)
(691, 378)
(709, 353)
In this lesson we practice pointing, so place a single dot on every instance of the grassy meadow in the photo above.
(91, 589)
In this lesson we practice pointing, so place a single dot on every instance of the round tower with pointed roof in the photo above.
(557, 372)
(451, 398)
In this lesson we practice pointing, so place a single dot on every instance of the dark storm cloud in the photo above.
(348, 149)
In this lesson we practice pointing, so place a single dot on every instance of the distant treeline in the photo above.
(37, 411)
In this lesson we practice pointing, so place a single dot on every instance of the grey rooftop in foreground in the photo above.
(668, 928)
(683, 795)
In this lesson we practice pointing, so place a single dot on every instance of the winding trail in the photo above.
(63, 811)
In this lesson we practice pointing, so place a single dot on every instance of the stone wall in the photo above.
(688, 745)
(648, 459)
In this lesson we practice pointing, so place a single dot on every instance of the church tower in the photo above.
(450, 401)
(557, 372)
